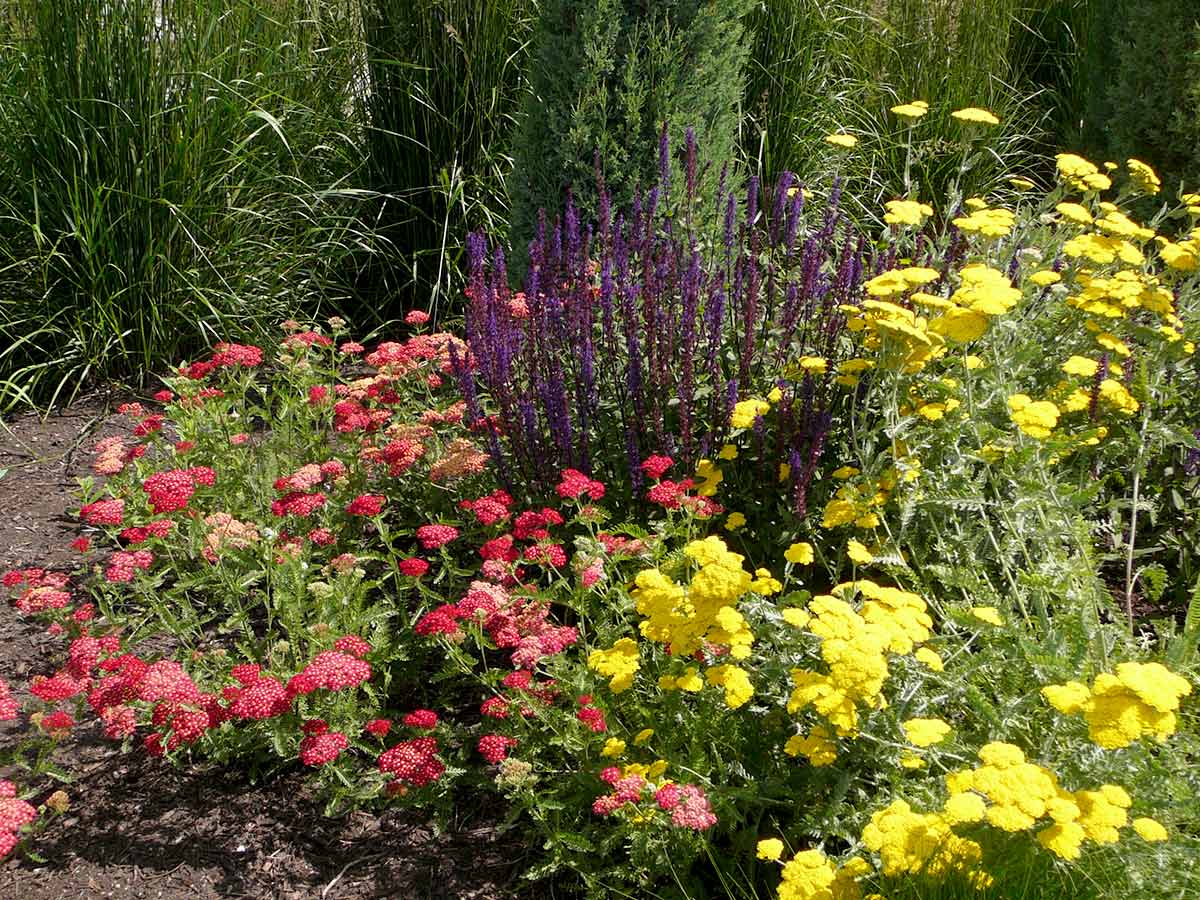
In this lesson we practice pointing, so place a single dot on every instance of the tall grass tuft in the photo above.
(176, 172)
(826, 65)
(445, 84)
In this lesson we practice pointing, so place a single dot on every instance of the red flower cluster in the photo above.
(412, 762)
(414, 567)
(332, 670)
(159, 528)
(533, 526)
(493, 509)
(124, 564)
(494, 747)
(298, 504)
(575, 484)
(171, 490)
(656, 466)
(323, 746)
(591, 716)
(378, 727)
(366, 505)
(14, 815)
(421, 718)
(9, 707)
(103, 512)
(231, 355)
(352, 644)
(434, 536)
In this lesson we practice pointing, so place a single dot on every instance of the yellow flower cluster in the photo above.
(746, 411)
(854, 645)
(906, 212)
(810, 875)
(1081, 174)
(991, 223)
(857, 502)
(1144, 178)
(619, 662)
(1013, 794)
(1140, 699)
(910, 843)
(1037, 418)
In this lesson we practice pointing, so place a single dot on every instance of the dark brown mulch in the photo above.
(140, 828)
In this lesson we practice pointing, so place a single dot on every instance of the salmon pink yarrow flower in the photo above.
(692, 810)
(440, 620)
(351, 347)
(416, 317)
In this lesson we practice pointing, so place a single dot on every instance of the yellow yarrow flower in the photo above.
(770, 849)
(841, 139)
(906, 212)
(613, 747)
(858, 553)
(620, 662)
(1045, 277)
(1149, 830)
(746, 411)
(1144, 178)
(914, 109)
(799, 553)
(988, 614)
(975, 115)
(1036, 418)
(734, 521)
(929, 658)
(1080, 365)
(925, 732)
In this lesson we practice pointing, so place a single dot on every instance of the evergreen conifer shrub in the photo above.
(606, 75)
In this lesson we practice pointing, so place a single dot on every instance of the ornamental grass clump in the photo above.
(634, 336)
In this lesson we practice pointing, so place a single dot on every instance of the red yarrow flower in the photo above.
(656, 466)
(434, 536)
(414, 568)
(366, 505)
(421, 718)
(494, 747)
(319, 749)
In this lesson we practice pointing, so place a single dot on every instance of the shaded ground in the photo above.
(139, 828)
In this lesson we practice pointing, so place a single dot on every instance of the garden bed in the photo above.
(139, 827)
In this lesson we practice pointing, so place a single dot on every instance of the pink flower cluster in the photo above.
(575, 484)
(332, 670)
(688, 805)
(512, 621)
(103, 512)
(171, 490)
(15, 814)
(124, 564)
